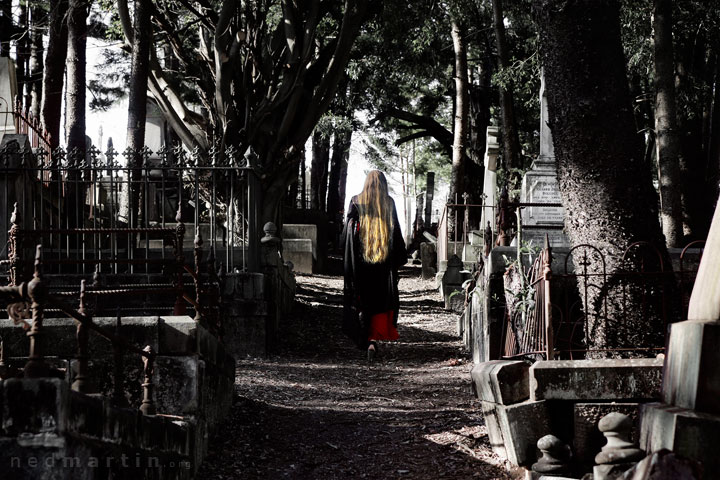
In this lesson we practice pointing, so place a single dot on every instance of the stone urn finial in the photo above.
(620, 453)
(555, 459)
(270, 237)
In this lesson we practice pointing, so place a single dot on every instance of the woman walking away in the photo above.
(374, 250)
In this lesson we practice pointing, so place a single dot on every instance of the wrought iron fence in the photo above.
(32, 296)
(559, 324)
(112, 210)
(455, 226)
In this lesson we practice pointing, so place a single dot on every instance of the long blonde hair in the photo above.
(375, 207)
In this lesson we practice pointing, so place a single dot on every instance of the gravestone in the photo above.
(490, 185)
(8, 92)
(540, 185)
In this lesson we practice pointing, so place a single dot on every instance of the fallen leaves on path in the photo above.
(317, 410)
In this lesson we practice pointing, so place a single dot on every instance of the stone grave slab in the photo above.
(299, 251)
(602, 379)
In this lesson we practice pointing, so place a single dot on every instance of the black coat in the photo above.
(370, 288)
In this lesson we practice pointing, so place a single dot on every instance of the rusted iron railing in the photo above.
(557, 325)
(27, 124)
(35, 294)
(537, 336)
(205, 280)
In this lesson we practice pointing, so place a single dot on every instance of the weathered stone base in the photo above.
(687, 433)
(51, 432)
(515, 429)
(692, 379)
(501, 381)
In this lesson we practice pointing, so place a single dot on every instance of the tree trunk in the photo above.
(712, 173)
(38, 18)
(6, 27)
(342, 184)
(75, 106)
(22, 53)
(690, 71)
(429, 195)
(137, 104)
(605, 185)
(319, 170)
(457, 179)
(480, 101)
(668, 140)
(338, 164)
(54, 74)
(76, 84)
(511, 140)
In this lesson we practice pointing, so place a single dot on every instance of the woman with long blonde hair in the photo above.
(374, 250)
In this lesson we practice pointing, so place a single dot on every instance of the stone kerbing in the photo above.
(606, 379)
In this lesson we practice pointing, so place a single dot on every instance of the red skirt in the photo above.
(382, 328)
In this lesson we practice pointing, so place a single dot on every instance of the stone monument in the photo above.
(540, 185)
(8, 92)
(490, 182)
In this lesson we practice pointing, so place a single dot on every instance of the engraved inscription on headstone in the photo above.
(544, 190)
(540, 185)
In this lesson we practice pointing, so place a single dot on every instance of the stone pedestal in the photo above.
(688, 433)
(515, 429)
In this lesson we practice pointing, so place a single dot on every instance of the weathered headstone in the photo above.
(451, 284)
(540, 185)
(8, 91)
(490, 185)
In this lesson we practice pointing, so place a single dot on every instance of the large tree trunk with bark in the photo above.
(76, 84)
(511, 140)
(479, 119)
(319, 170)
(713, 162)
(604, 182)
(22, 53)
(38, 18)
(668, 140)
(6, 28)
(137, 109)
(75, 105)
(462, 107)
(54, 75)
(690, 72)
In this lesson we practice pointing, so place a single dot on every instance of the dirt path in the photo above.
(317, 410)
